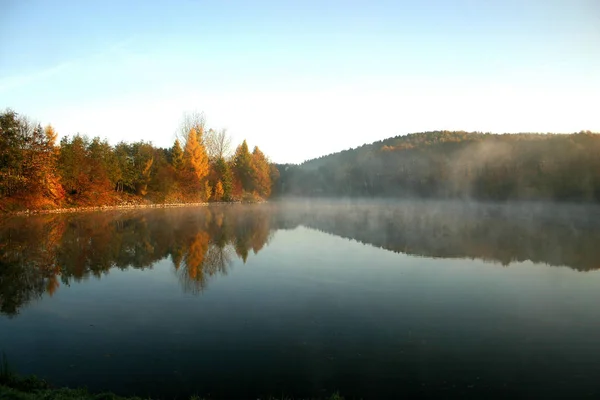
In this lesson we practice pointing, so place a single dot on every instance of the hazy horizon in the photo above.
(302, 80)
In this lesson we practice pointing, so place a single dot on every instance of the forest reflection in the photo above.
(39, 254)
(547, 233)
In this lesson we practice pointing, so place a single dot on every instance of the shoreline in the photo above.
(114, 208)
(31, 387)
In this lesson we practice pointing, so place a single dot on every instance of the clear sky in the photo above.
(302, 78)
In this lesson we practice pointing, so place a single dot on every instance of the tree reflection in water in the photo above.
(38, 254)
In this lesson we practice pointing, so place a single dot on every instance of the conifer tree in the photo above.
(194, 156)
(224, 177)
(261, 173)
(242, 162)
(177, 155)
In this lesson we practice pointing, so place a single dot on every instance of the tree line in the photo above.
(456, 164)
(38, 172)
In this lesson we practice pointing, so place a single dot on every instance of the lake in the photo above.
(374, 299)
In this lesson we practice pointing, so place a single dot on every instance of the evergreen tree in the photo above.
(125, 178)
(223, 174)
(143, 159)
(98, 163)
(177, 155)
(242, 162)
(34, 170)
(12, 141)
(72, 164)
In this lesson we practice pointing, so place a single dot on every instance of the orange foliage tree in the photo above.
(195, 162)
(261, 173)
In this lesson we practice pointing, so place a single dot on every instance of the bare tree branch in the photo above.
(218, 144)
(191, 120)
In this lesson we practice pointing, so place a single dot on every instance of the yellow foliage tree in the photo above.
(207, 191)
(51, 135)
(48, 156)
(261, 173)
(219, 191)
(194, 156)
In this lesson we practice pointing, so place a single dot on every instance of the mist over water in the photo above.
(542, 232)
(372, 298)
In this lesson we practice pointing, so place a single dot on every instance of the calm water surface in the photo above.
(371, 299)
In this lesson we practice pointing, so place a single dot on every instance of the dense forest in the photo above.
(36, 172)
(443, 164)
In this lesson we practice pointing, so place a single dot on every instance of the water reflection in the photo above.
(39, 254)
(556, 235)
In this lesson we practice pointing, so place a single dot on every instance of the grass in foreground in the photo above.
(15, 387)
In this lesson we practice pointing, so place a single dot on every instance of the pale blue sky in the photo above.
(302, 79)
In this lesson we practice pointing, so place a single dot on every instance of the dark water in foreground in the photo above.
(374, 300)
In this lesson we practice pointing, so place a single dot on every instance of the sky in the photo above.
(301, 79)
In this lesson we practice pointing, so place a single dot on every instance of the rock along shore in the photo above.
(126, 206)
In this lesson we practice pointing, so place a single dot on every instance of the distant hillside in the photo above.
(445, 164)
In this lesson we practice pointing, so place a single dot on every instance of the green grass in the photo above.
(16, 387)
(10, 393)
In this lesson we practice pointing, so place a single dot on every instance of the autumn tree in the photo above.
(27, 158)
(223, 179)
(218, 144)
(195, 162)
(51, 135)
(88, 169)
(242, 165)
(261, 173)
(208, 190)
(219, 191)
(51, 178)
(91, 170)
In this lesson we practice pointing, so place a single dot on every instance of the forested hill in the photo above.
(446, 164)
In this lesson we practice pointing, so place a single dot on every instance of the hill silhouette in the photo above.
(456, 164)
